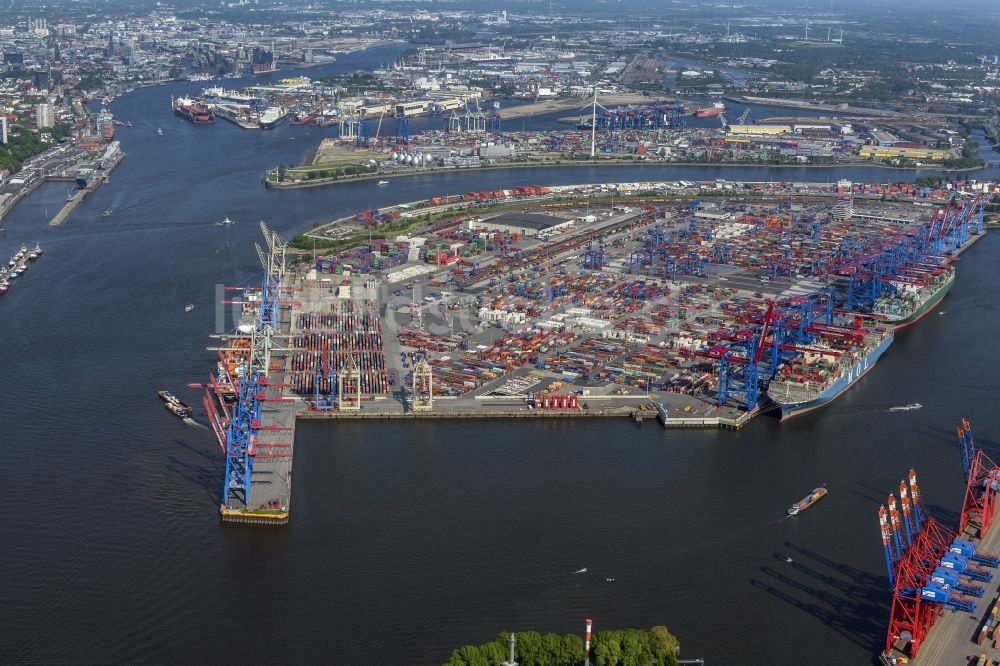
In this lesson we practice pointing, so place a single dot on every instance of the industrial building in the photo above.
(909, 153)
(525, 224)
(759, 129)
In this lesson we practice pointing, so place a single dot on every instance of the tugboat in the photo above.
(174, 404)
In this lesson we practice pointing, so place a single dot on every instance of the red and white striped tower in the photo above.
(586, 647)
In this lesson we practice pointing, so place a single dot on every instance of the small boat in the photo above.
(580, 571)
(4, 286)
(128, 123)
(807, 501)
(226, 222)
(189, 307)
(107, 212)
(159, 131)
(383, 182)
(37, 250)
(175, 405)
(906, 408)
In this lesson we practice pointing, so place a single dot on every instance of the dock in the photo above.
(100, 178)
(544, 323)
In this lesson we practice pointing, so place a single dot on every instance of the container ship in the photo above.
(188, 109)
(807, 501)
(272, 117)
(910, 303)
(824, 371)
(711, 112)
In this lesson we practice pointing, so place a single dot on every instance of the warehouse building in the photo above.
(525, 224)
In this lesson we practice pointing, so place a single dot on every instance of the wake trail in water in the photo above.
(192, 422)
(906, 408)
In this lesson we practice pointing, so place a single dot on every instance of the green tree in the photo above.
(281, 172)
(607, 648)
(495, 652)
(571, 650)
(635, 648)
(665, 646)
(467, 655)
(529, 648)
(551, 647)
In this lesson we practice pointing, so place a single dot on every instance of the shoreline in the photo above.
(617, 163)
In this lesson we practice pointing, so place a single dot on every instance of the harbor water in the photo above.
(410, 539)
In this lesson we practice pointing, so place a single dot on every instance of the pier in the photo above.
(100, 177)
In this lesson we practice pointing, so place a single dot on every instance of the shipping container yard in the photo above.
(702, 305)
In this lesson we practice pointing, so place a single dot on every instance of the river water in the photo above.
(410, 539)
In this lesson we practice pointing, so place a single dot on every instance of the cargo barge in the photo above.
(175, 405)
(807, 501)
(832, 372)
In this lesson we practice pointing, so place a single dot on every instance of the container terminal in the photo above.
(701, 312)
(942, 576)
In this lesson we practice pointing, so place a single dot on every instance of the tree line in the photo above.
(617, 647)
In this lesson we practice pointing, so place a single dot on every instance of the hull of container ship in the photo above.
(927, 306)
(846, 381)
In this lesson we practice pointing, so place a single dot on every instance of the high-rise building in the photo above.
(3, 130)
(40, 80)
(44, 116)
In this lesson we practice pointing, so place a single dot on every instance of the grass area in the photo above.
(331, 155)
(402, 226)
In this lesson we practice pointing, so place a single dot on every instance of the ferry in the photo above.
(908, 305)
(174, 404)
(807, 501)
(831, 373)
